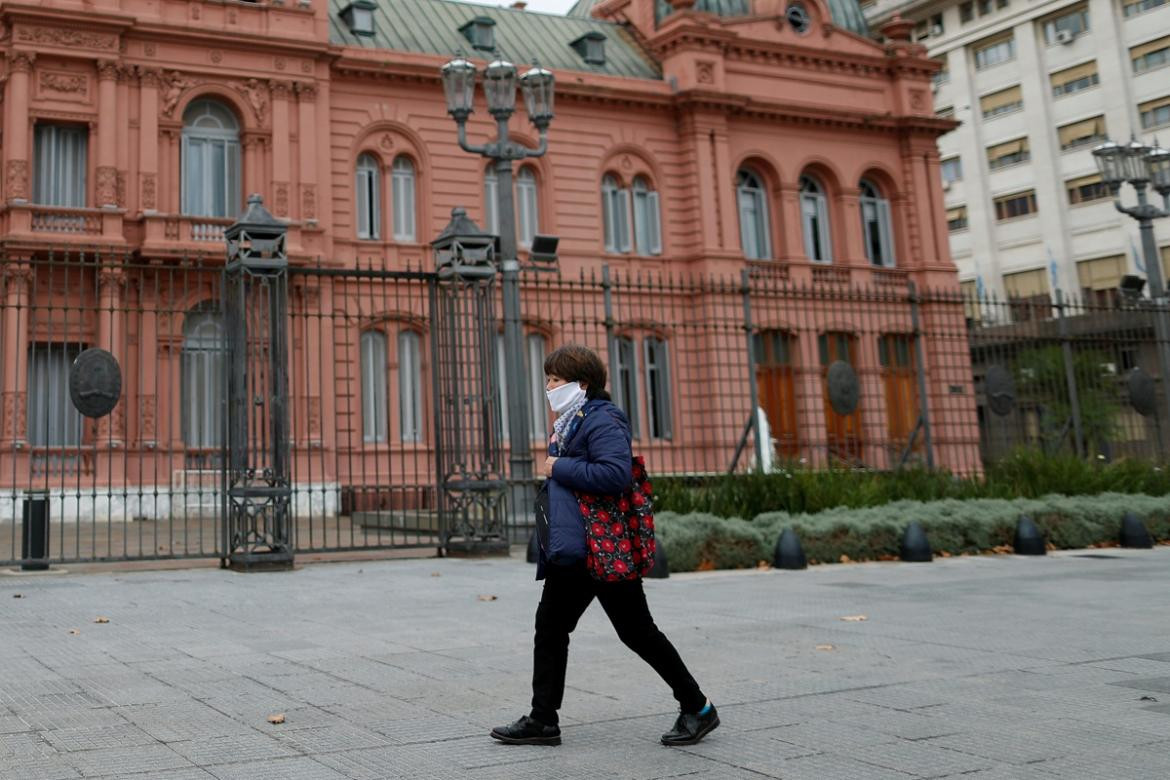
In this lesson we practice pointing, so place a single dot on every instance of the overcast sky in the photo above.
(544, 6)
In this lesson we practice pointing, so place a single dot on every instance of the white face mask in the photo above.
(563, 397)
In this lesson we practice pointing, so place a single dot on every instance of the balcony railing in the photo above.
(830, 274)
(55, 219)
(196, 229)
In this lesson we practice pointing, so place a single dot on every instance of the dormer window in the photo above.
(591, 47)
(359, 17)
(481, 33)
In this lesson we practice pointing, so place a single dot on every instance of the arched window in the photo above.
(814, 217)
(373, 361)
(211, 160)
(615, 211)
(527, 215)
(752, 200)
(368, 189)
(410, 415)
(876, 225)
(202, 367)
(402, 181)
(534, 385)
(647, 219)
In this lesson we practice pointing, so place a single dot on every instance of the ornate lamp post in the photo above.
(1142, 167)
(499, 86)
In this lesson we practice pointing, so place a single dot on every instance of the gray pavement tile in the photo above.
(97, 738)
(37, 768)
(232, 749)
(923, 759)
(125, 761)
(277, 769)
(824, 765)
(329, 739)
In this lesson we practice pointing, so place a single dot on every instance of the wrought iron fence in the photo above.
(717, 375)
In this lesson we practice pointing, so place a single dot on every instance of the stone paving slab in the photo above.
(980, 668)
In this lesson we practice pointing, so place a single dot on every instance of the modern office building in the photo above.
(1035, 86)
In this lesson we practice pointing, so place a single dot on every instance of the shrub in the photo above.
(701, 541)
(1023, 474)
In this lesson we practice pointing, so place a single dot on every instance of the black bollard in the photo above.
(1134, 532)
(1029, 538)
(533, 548)
(915, 545)
(789, 554)
(661, 569)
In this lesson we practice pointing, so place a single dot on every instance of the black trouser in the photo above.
(568, 591)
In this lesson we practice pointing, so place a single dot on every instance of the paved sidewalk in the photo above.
(975, 668)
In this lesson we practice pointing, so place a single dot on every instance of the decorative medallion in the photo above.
(844, 389)
(71, 39)
(1142, 392)
(95, 382)
(64, 83)
(1000, 389)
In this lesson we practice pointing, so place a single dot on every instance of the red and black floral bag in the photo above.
(619, 530)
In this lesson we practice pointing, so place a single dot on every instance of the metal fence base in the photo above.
(478, 548)
(257, 562)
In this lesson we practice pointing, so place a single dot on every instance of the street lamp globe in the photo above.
(458, 77)
(499, 84)
(538, 86)
(1158, 163)
(1109, 157)
(1134, 163)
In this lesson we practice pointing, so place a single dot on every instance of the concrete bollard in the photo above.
(1134, 532)
(789, 553)
(1029, 538)
(915, 545)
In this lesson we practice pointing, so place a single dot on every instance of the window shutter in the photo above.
(654, 222)
(1079, 133)
(748, 230)
(1103, 273)
(823, 228)
(623, 220)
(490, 194)
(641, 238)
(886, 226)
(373, 366)
(607, 209)
(1076, 73)
(502, 383)
(1004, 100)
(1153, 105)
(1026, 284)
(409, 387)
(1137, 52)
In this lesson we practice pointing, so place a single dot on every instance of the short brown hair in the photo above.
(575, 363)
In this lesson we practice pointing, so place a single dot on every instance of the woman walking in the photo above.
(589, 453)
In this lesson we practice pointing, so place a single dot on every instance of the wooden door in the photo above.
(776, 386)
(899, 377)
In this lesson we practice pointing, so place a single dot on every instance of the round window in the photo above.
(797, 16)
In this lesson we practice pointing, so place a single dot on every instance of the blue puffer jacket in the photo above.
(595, 459)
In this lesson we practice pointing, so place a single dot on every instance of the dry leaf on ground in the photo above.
(277, 718)
(436, 574)
(17, 595)
(73, 632)
(826, 647)
(100, 619)
(854, 618)
(487, 597)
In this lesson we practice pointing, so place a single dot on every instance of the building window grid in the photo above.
(203, 367)
(877, 226)
(814, 210)
(402, 178)
(1135, 7)
(952, 169)
(754, 233)
(210, 175)
(373, 377)
(1078, 135)
(1087, 190)
(368, 187)
(996, 53)
(53, 421)
(1156, 115)
(1015, 206)
(1152, 58)
(615, 210)
(1079, 81)
(1009, 153)
(1074, 22)
(957, 219)
(410, 392)
(1006, 101)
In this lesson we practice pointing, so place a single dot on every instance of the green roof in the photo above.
(432, 27)
(847, 14)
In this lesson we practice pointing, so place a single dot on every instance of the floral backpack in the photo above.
(619, 530)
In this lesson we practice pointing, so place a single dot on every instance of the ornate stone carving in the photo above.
(107, 185)
(308, 201)
(121, 190)
(14, 415)
(149, 77)
(21, 61)
(705, 72)
(307, 91)
(146, 417)
(281, 200)
(149, 191)
(281, 90)
(314, 416)
(72, 39)
(386, 141)
(918, 99)
(107, 70)
(64, 83)
(216, 56)
(174, 85)
(256, 94)
(149, 50)
(16, 177)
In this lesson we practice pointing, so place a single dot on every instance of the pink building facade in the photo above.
(766, 135)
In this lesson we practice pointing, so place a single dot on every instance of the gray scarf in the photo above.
(562, 422)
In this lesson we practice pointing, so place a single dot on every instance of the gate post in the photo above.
(469, 450)
(1070, 376)
(257, 485)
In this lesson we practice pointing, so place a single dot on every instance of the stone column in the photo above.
(848, 241)
(148, 80)
(307, 133)
(107, 148)
(281, 147)
(17, 278)
(16, 129)
(148, 359)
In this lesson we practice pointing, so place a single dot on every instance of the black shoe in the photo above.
(527, 731)
(691, 727)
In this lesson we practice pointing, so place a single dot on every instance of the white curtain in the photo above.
(410, 414)
(402, 178)
(615, 207)
(204, 364)
(815, 221)
(647, 219)
(211, 161)
(754, 234)
(53, 421)
(527, 215)
(876, 226)
(367, 189)
(60, 159)
(373, 359)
